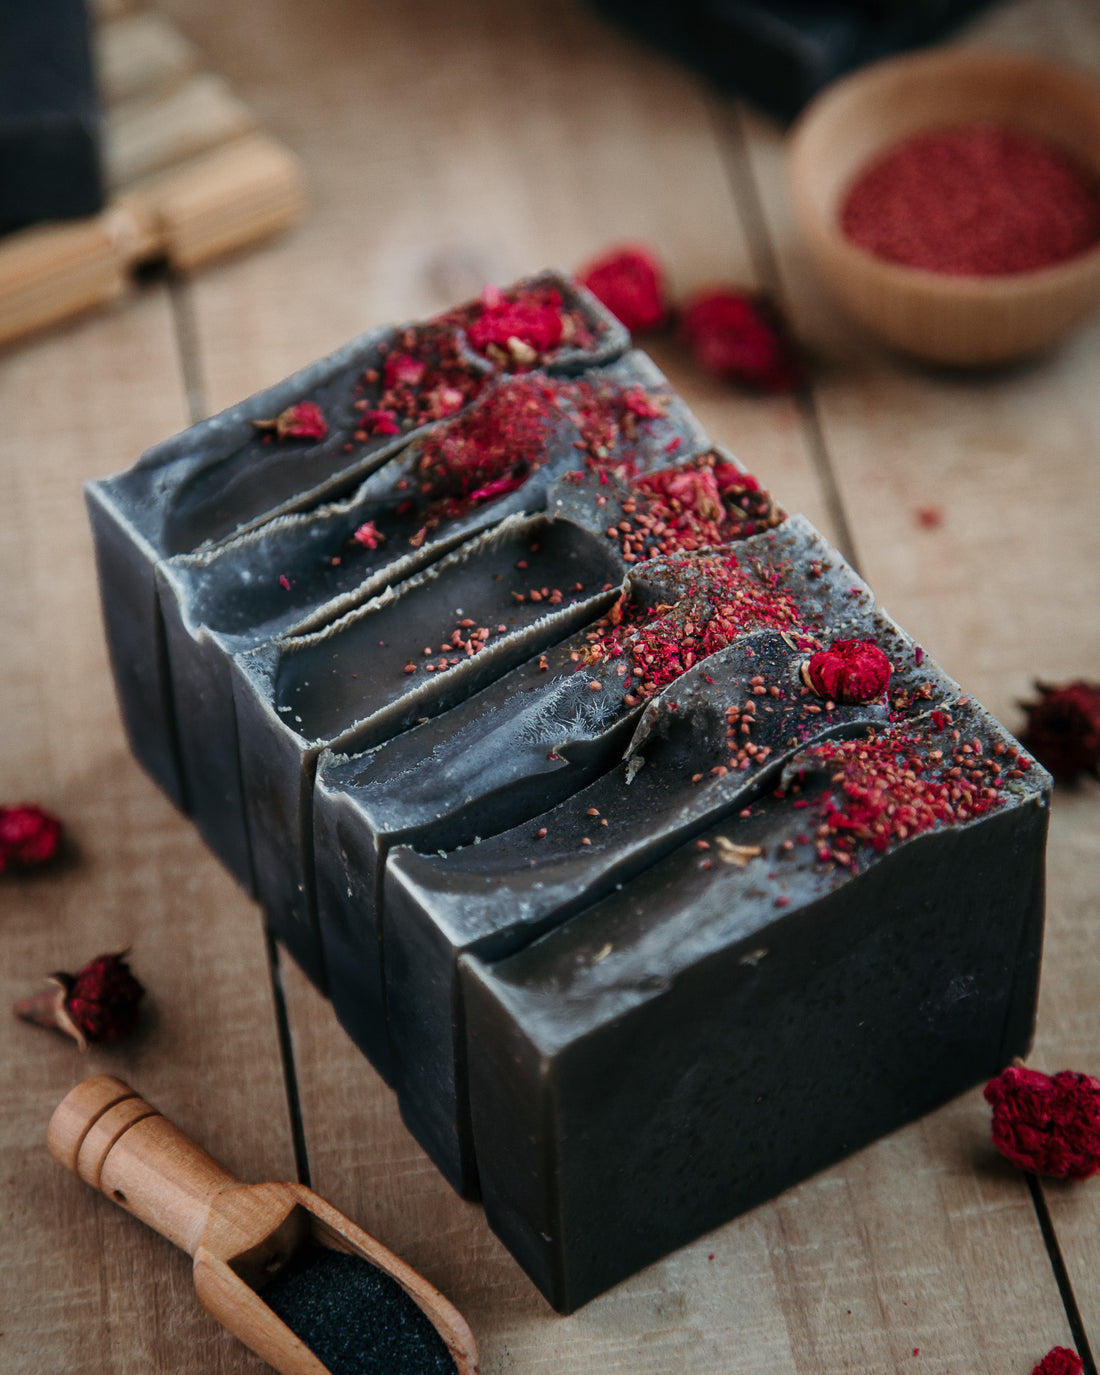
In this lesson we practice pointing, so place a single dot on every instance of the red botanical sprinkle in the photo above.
(740, 336)
(974, 199)
(1047, 1124)
(29, 836)
(368, 535)
(1063, 729)
(301, 421)
(1060, 1360)
(630, 283)
(848, 671)
(375, 422)
(930, 516)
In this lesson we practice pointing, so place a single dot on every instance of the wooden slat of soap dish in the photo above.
(191, 179)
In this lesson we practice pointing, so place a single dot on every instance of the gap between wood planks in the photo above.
(730, 136)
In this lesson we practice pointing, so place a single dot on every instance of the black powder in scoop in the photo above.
(355, 1319)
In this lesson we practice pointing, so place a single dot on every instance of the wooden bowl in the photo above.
(966, 321)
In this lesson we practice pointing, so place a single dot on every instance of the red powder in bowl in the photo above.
(974, 200)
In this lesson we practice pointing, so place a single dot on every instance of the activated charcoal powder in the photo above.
(355, 1319)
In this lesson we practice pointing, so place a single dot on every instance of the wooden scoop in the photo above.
(238, 1234)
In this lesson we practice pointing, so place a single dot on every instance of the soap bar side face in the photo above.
(730, 1074)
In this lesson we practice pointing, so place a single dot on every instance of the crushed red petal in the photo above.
(889, 787)
(849, 671)
(368, 535)
(375, 422)
(1047, 1124)
(630, 283)
(104, 997)
(29, 836)
(1063, 729)
(739, 335)
(1060, 1360)
(303, 421)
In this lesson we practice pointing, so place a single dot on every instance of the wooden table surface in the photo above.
(446, 145)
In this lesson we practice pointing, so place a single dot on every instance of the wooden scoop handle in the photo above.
(115, 1141)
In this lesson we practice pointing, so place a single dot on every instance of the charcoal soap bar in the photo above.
(644, 855)
(306, 440)
(50, 121)
(740, 1016)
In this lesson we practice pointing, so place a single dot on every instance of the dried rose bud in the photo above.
(630, 283)
(849, 671)
(1060, 1360)
(29, 837)
(1063, 729)
(303, 421)
(1047, 1124)
(100, 1003)
(740, 336)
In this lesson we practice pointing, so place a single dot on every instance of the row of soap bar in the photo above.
(486, 673)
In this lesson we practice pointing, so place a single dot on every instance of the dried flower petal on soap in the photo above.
(97, 1004)
(301, 421)
(1047, 1124)
(739, 335)
(630, 283)
(29, 837)
(849, 671)
(1060, 1360)
(1063, 729)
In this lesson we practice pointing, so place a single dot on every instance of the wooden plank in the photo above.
(145, 136)
(910, 1244)
(139, 56)
(49, 274)
(1005, 589)
(86, 1288)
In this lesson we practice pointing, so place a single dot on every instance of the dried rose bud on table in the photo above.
(29, 837)
(97, 1004)
(1047, 1124)
(740, 336)
(1060, 1360)
(1063, 729)
(629, 281)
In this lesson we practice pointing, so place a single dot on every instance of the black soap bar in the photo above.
(741, 1015)
(781, 53)
(407, 654)
(309, 439)
(653, 864)
(304, 569)
(50, 121)
(535, 736)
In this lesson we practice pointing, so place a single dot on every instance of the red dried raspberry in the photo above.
(848, 671)
(29, 836)
(630, 283)
(740, 336)
(1060, 1360)
(1063, 729)
(535, 322)
(1047, 1124)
